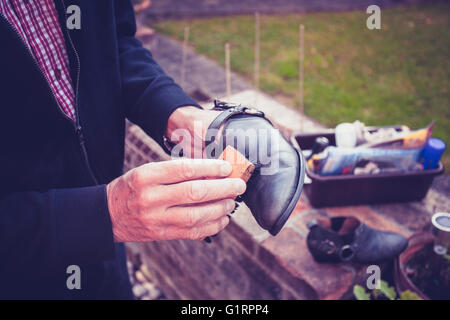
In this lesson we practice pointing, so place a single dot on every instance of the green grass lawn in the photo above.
(397, 75)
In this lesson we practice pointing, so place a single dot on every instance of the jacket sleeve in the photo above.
(150, 95)
(44, 231)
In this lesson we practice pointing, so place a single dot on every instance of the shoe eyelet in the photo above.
(346, 253)
(328, 246)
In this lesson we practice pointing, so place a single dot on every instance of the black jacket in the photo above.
(53, 171)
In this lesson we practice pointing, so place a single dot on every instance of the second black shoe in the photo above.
(347, 239)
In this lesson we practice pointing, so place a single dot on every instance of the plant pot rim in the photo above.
(402, 282)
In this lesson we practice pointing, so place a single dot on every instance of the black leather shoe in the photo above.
(347, 239)
(275, 186)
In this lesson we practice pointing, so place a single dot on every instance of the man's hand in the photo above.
(196, 121)
(171, 200)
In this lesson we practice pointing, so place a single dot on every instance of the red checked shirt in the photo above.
(36, 21)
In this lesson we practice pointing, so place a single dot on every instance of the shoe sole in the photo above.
(287, 212)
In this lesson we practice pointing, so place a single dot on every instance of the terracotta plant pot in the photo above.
(402, 282)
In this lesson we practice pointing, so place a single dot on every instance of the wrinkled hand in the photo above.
(171, 200)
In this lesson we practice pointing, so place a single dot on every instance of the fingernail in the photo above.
(225, 169)
(240, 186)
(225, 221)
(229, 205)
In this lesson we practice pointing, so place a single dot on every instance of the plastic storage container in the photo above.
(341, 190)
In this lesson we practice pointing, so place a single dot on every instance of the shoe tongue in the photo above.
(349, 225)
(340, 225)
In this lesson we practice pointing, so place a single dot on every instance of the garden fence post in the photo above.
(227, 70)
(300, 74)
(257, 61)
(184, 54)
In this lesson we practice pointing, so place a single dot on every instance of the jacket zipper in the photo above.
(75, 124)
(78, 127)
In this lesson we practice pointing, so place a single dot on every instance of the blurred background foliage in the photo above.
(396, 75)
